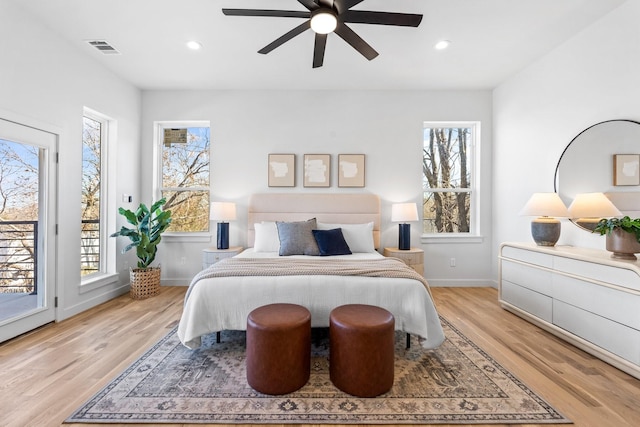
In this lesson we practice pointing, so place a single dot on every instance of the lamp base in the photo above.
(404, 237)
(223, 235)
(545, 231)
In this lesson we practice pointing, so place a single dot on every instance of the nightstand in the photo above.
(413, 257)
(212, 255)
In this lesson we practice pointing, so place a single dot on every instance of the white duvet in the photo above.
(223, 303)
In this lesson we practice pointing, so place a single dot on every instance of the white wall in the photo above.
(46, 82)
(386, 126)
(590, 78)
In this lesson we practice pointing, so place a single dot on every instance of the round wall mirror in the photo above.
(604, 158)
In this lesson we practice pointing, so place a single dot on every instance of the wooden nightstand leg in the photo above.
(218, 337)
(408, 340)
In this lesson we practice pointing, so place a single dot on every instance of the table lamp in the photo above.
(403, 213)
(223, 211)
(545, 229)
(588, 208)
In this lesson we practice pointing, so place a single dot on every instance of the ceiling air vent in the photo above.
(104, 47)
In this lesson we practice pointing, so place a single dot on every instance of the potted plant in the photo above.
(623, 236)
(148, 226)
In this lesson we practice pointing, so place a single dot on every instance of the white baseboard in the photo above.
(462, 283)
(175, 282)
(63, 313)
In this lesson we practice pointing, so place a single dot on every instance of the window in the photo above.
(184, 174)
(93, 235)
(449, 178)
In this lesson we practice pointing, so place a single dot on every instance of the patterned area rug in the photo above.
(457, 383)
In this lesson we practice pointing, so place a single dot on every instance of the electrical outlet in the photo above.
(452, 262)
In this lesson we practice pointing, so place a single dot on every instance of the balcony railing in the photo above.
(19, 246)
(18, 263)
(90, 246)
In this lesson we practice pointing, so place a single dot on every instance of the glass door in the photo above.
(27, 228)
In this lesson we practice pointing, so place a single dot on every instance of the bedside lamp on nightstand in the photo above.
(403, 213)
(223, 211)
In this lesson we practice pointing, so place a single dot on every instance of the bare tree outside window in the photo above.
(447, 182)
(90, 258)
(185, 181)
(18, 216)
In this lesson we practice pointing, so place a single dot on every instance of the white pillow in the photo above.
(266, 237)
(359, 237)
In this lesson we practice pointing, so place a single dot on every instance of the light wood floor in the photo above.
(47, 374)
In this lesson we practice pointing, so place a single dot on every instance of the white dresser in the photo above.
(581, 295)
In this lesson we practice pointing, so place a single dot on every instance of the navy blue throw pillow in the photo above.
(331, 242)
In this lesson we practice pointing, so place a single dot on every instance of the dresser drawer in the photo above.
(531, 257)
(614, 337)
(600, 272)
(532, 302)
(607, 302)
(524, 275)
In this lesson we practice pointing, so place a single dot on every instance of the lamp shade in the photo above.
(404, 212)
(222, 211)
(545, 204)
(592, 205)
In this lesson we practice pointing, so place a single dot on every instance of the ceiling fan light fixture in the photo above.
(323, 21)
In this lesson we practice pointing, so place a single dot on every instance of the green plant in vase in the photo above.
(623, 236)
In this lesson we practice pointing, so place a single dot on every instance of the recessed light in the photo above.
(194, 45)
(442, 44)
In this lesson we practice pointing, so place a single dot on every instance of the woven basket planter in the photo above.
(145, 282)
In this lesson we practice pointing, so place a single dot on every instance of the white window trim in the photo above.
(158, 126)
(108, 134)
(474, 235)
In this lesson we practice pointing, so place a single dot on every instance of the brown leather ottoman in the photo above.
(278, 348)
(361, 349)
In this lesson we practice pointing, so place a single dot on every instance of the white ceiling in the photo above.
(491, 40)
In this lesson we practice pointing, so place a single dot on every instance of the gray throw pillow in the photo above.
(296, 238)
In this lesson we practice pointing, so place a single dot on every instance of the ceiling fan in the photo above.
(330, 16)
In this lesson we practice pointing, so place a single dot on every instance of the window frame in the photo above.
(158, 130)
(107, 273)
(474, 235)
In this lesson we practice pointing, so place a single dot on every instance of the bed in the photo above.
(281, 266)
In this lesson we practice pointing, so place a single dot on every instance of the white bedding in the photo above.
(223, 303)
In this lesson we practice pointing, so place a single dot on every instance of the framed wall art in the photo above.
(626, 169)
(282, 170)
(351, 170)
(317, 170)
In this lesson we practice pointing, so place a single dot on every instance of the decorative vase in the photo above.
(145, 282)
(623, 244)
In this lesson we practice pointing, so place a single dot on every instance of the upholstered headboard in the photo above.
(340, 208)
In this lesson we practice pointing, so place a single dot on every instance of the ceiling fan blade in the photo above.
(309, 4)
(348, 35)
(381, 18)
(262, 12)
(318, 50)
(344, 5)
(285, 38)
